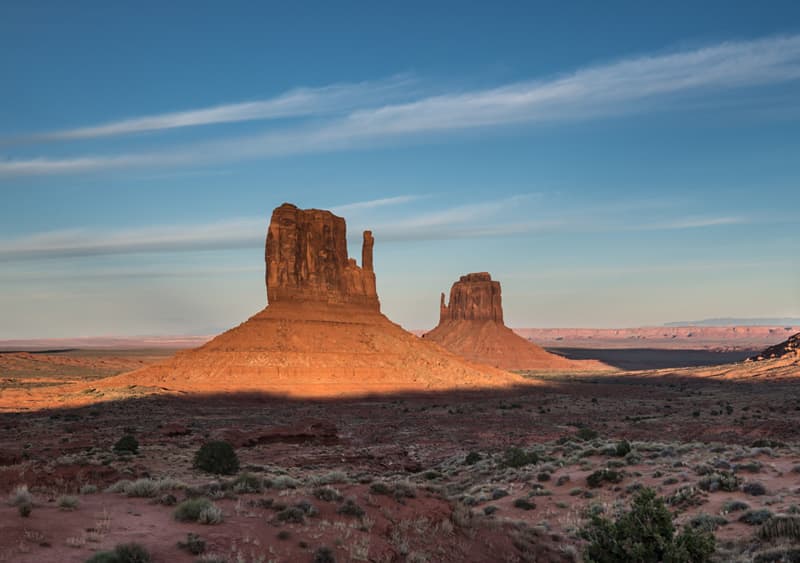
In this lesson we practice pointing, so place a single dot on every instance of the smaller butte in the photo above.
(471, 325)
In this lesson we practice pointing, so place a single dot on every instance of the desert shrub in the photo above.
(20, 495)
(524, 504)
(324, 555)
(489, 510)
(754, 488)
(749, 467)
(497, 494)
(291, 515)
(210, 515)
(123, 553)
(735, 506)
(127, 444)
(597, 478)
(247, 483)
(194, 544)
(380, 488)
(778, 555)
(782, 526)
(755, 517)
(472, 458)
(330, 478)
(707, 522)
(24, 509)
(189, 510)
(645, 533)
(586, 434)
(721, 481)
(685, 497)
(562, 480)
(67, 502)
(329, 494)
(543, 476)
(217, 457)
(308, 508)
(284, 482)
(350, 508)
(623, 448)
(517, 457)
(403, 490)
(284, 535)
(88, 489)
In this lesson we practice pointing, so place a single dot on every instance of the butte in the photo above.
(472, 327)
(322, 333)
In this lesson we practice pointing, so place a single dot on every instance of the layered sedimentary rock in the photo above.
(306, 258)
(471, 325)
(789, 349)
(322, 333)
(474, 297)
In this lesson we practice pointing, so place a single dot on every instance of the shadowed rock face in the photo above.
(474, 297)
(789, 348)
(306, 256)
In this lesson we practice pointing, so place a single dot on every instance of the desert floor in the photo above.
(387, 478)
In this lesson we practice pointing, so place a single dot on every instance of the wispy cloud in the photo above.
(493, 218)
(615, 88)
(300, 102)
(374, 203)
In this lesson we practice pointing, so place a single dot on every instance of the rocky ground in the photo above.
(431, 477)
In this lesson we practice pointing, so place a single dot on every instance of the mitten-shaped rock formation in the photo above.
(306, 257)
(474, 297)
(472, 327)
(322, 334)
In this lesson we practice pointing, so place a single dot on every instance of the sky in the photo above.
(613, 164)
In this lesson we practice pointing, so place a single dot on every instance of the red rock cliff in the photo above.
(474, 297)
(306, 256)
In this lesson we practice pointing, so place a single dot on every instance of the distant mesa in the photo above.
(787, 350)
(321, 335)
(471, 325)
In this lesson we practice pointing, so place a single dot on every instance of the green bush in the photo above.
(217, 457)
(645, 534)
(123, 553)
(350, 508)
(517, 457)
(755, 517)
(24, 509)
(585, 434)
(127, 444)
(472, 458)
(623, 448)
(721, 481)
(524, 504)
(597, 478)
(190, 510)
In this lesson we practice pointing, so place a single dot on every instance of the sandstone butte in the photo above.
(472, 327)
(322, 333)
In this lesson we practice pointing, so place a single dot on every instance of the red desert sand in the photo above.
(472, 327)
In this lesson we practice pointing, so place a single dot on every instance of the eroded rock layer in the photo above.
(471, 326)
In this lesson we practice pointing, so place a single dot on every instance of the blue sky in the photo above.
(612, 164)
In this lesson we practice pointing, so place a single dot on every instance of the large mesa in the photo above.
(322, 333)
(471, 325)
